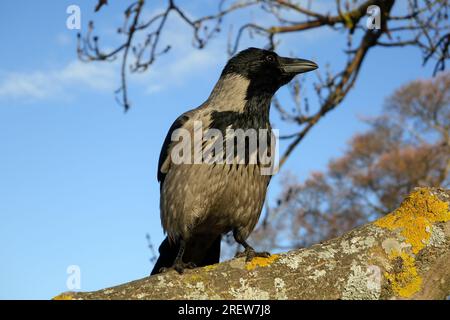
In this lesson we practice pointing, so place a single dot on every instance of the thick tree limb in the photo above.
(404, 255)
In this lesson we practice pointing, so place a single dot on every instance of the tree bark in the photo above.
(404, 255)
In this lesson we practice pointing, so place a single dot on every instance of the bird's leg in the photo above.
(179, 265)
(249, 253)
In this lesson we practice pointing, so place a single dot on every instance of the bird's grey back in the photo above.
(212, 198)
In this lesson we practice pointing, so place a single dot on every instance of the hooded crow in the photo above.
(201, 200)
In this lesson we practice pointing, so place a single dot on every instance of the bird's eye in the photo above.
(270, 58)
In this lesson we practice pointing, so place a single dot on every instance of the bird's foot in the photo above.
(249, 253)
(179, 267)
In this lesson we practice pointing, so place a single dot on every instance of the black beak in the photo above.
(296, 66)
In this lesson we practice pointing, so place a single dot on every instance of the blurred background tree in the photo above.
(408, 145)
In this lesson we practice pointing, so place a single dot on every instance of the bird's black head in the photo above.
(266, 70)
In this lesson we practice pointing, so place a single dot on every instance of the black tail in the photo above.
(202, 251)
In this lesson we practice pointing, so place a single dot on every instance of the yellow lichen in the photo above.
(261, 262)
(195, 278)
(63, 296)
(415, 216)
(210, 267)
(403, 276)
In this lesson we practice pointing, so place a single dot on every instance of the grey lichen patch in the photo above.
(442, 194)
(140, 296)
(247, 292)
(317, 274)
(393, 245)
(357, 244)
(437, 238)
(280, 289)
(237, 263)
(162, 283)
(196, 291)
(327, 253)
(293, 259)
(375, 230)
(108, 291)
(327, 258)
(363, 283)
(369, 241)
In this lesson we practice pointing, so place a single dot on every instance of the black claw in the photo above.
(163, 270)
(263, 254)
(179, 267)
(190, 265)
(249, 253)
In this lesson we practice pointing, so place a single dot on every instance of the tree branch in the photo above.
(402, 255)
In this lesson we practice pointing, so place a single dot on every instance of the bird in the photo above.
(199, 201)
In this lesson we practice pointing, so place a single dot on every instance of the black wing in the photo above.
(178, 123)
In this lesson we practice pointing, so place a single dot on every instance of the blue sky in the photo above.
(78, 176)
